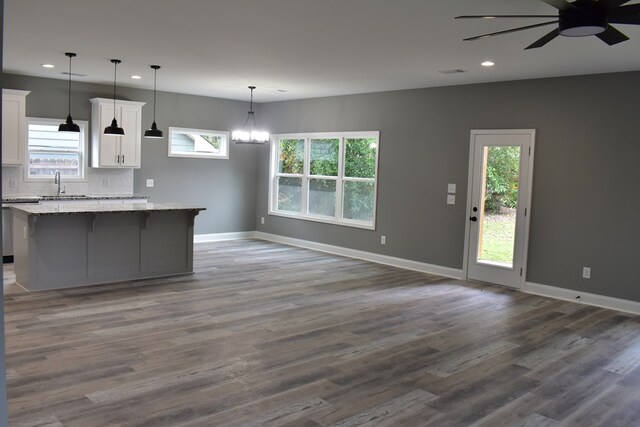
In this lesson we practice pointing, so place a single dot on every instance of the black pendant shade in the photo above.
(154, 132)
(69, 126)
(114, 129)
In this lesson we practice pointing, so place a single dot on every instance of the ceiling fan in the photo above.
(577, 19)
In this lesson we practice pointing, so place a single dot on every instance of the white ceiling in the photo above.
(309, 48)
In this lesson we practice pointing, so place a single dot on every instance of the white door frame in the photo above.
(527, 202)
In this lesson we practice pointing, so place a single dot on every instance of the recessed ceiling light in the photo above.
(136, 77)
(488, 64)
(48, 66)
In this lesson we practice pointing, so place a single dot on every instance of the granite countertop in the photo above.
(33, 199)
(71, 209)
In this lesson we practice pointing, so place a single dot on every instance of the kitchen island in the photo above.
(66, 245)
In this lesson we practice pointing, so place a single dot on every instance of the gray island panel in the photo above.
(61, 246)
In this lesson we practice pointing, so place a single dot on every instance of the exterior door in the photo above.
(498, 204)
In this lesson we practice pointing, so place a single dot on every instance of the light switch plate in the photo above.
(13, 183)
(149, 182)
(451, 188)
(451, 199)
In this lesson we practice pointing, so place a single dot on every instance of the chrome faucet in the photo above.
(57, 180)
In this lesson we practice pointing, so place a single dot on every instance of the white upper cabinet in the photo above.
(111, 151)
(14, 126)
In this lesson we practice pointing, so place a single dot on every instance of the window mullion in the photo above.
(305, 177)
(340, 180)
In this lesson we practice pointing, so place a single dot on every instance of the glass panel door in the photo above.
(501, 162)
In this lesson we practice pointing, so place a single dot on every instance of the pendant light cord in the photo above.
(115, 67)
(155, 79)
(69, 84)
(115, 73)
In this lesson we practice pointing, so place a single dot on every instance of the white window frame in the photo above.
(225, 145)
(306, 176)
(84, 147)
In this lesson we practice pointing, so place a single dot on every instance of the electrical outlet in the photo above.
(383, 240)
(451, 188)
(105, 182)
(586, 272)
(149, 182)
(13, 183)
(261, 220)
(451, 199)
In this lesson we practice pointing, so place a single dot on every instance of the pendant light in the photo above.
(114, 129)
(249, 134)
(154, 132)
(69, 126)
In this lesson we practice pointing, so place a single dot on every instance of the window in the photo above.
(49, 151)
(326, 177)
(209, 144)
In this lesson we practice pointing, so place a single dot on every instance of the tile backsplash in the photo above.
(97, 181)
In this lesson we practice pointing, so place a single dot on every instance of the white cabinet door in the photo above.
(109, 151)
(109, 144)
(130, 143)
(13, 126)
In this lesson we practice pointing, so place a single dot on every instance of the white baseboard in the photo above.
(221, 237)
(583, 297)
(367, 256)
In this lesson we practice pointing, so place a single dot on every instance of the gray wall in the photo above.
(586, 186)
(225, 187)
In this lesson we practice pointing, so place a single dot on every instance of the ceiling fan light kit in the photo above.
(577, 19)
(588, 20)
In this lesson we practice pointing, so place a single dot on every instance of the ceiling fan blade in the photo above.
(513, 30)
(613, 4)
(559, 4)
(632, 9)
(544, 40)
(629, 19)
(612, 36)
(504, 16)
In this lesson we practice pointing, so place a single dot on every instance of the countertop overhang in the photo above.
(71, 209)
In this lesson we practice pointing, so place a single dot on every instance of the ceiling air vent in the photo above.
(456, 71)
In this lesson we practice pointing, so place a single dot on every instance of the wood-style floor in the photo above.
(269, 335)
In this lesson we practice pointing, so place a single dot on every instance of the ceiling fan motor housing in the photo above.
(585, 19)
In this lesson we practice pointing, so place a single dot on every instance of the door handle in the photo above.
(473, 218)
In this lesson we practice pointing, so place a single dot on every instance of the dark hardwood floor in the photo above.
(270, 335)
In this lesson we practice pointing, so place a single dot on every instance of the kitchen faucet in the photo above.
(57, 180)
